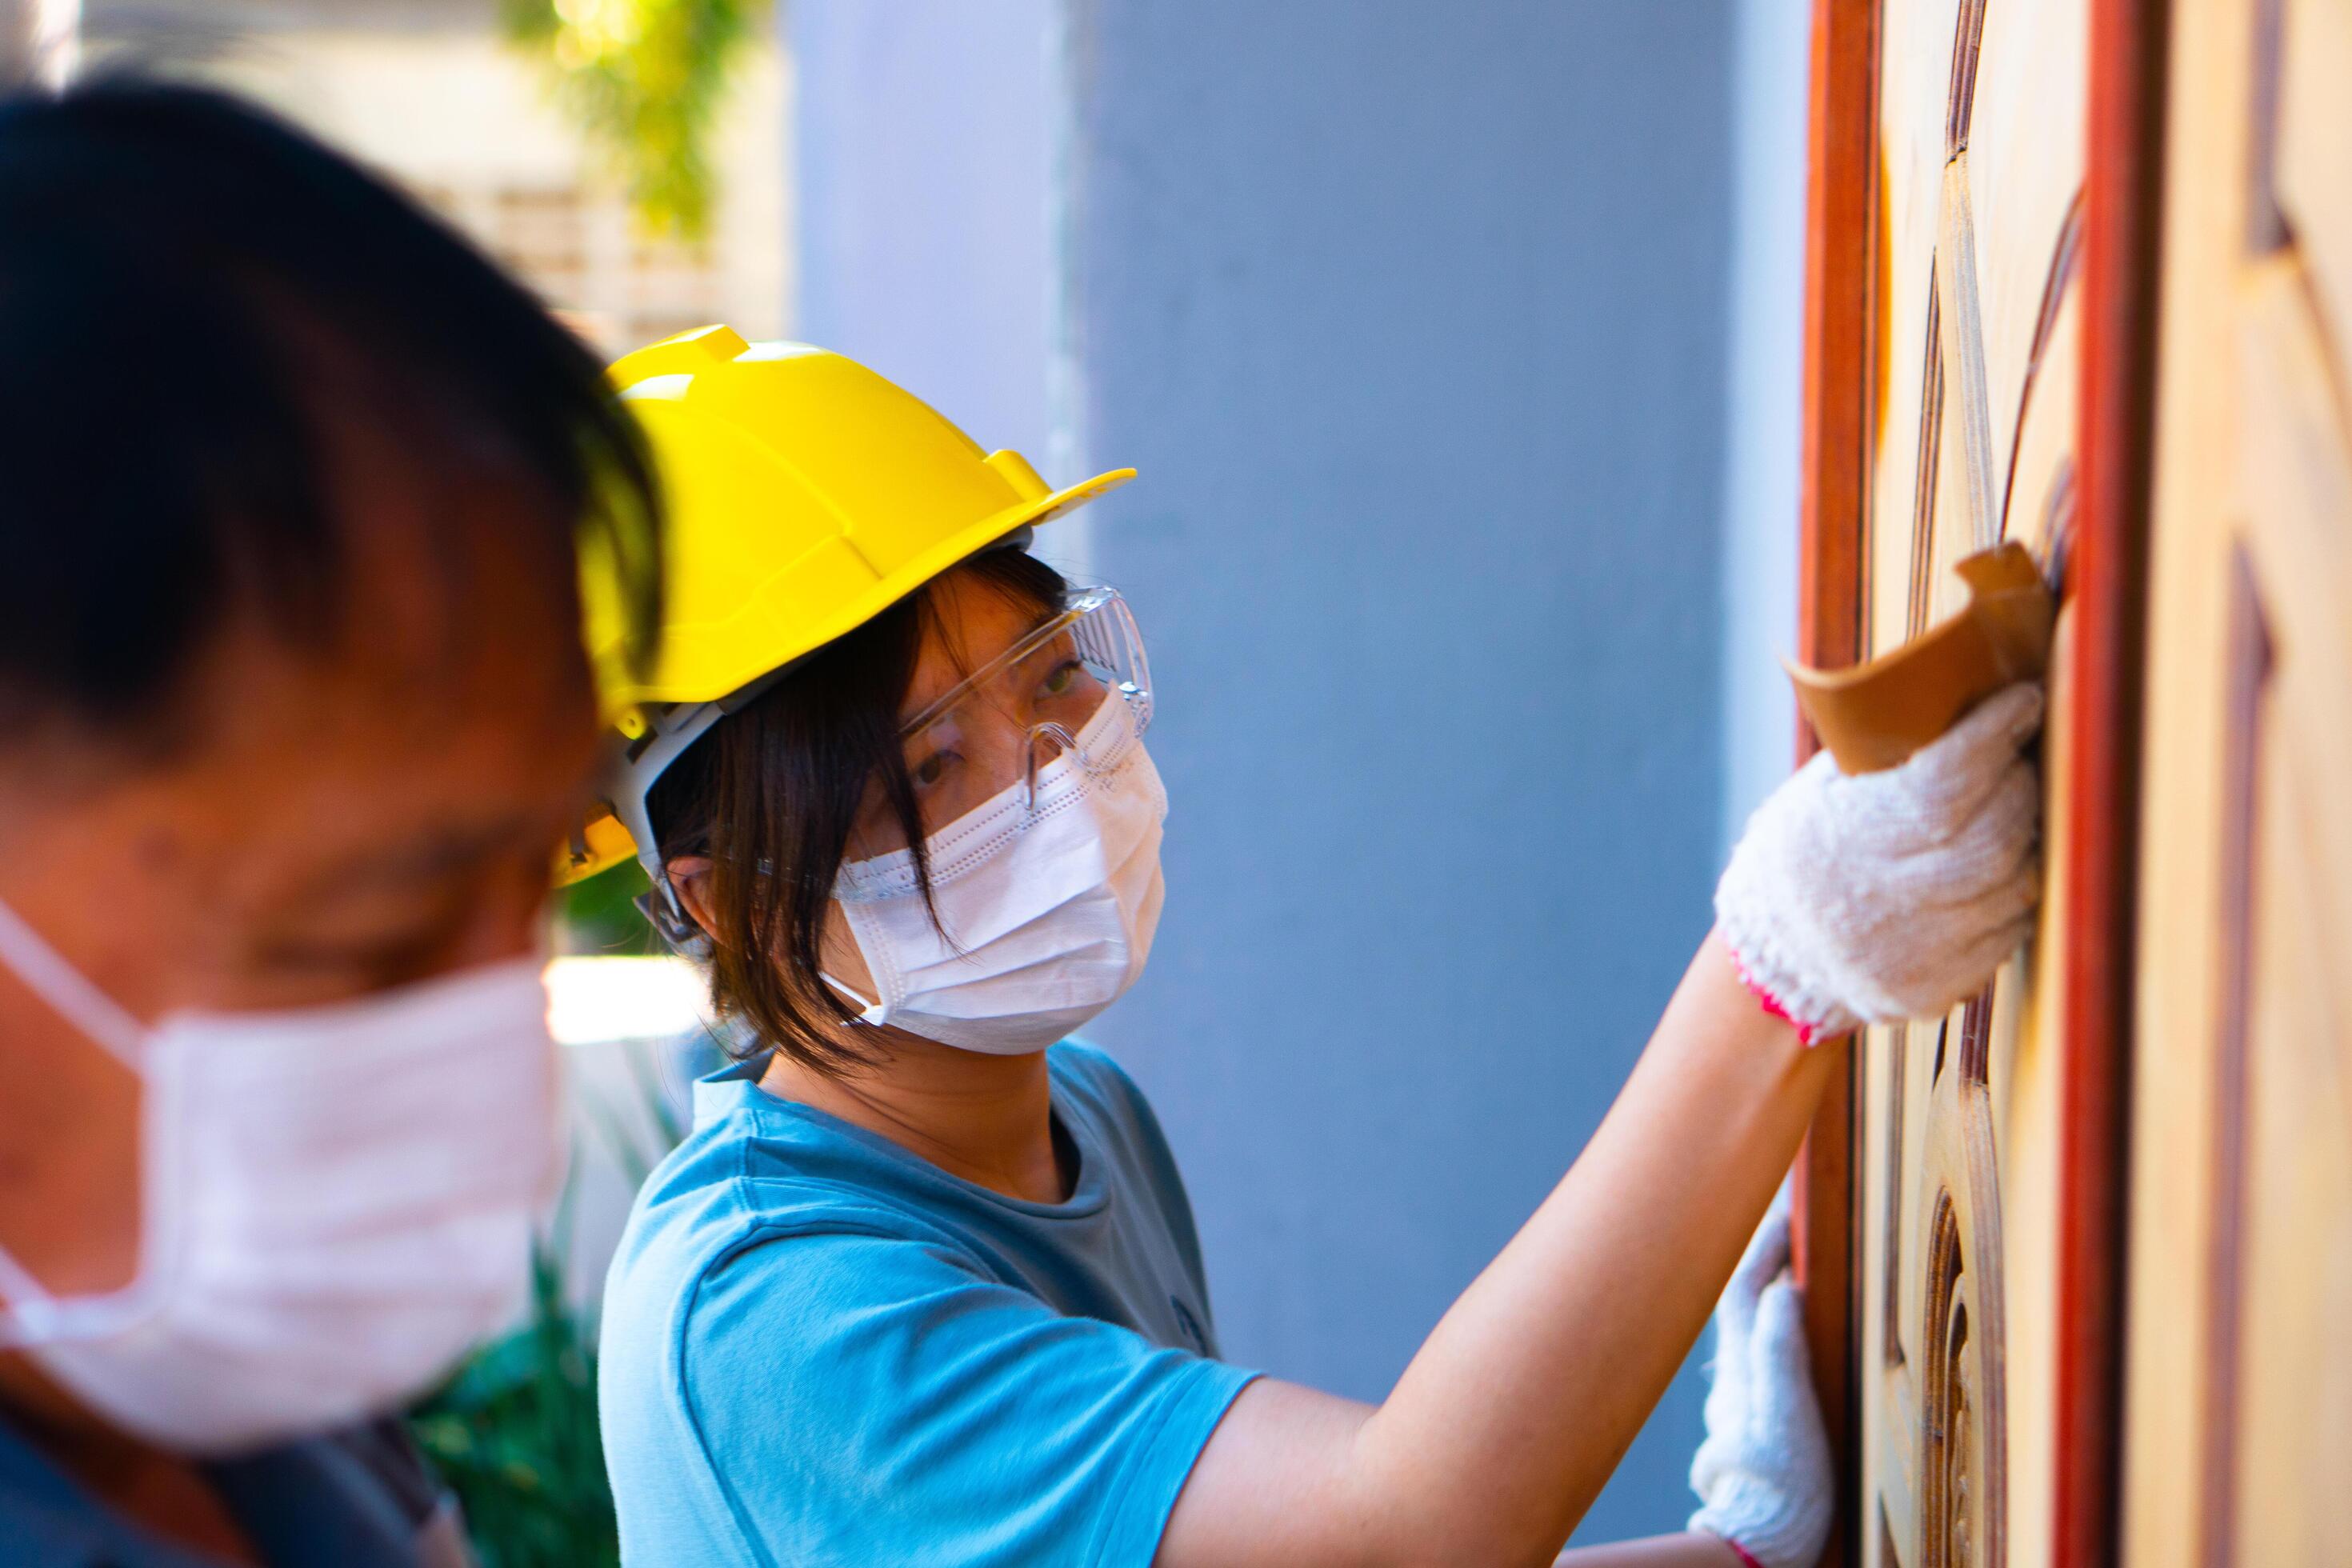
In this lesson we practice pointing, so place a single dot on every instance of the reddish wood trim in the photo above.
(2063, 263)
(2121, 203)
(1960, 103)
(1840, 394)
(2266, 226)
(1841, 312)
(1929, 468)
(1827, 1243)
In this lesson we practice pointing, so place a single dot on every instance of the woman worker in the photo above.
(922, 1285)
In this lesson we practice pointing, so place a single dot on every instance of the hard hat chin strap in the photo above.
(670, 732)
(667, 916)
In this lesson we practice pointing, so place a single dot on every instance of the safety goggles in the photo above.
(1076, 687)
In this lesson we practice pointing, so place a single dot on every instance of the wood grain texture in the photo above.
(1961, 315)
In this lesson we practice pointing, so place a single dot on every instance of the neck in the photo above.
(986, 1119)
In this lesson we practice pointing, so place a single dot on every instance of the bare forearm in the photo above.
(1520, 1404)
(1685, 1551)
(1525, 1397)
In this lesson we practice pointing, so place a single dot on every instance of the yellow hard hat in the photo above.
(805, 495)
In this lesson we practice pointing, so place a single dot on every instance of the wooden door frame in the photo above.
(2108, 584)
(2114, 447)
(1839, 417)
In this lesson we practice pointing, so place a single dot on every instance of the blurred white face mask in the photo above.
(337, 1202)
(1049, 894)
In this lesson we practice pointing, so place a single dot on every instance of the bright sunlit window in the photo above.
(593, 1000)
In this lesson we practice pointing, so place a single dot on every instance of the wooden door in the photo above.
(1981, 116)
(1944, 389)
(2080, 1255)
(2238, 1408)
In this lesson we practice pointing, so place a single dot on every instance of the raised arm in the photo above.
(1884, 896)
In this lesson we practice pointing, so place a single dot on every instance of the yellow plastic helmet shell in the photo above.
(804, 494)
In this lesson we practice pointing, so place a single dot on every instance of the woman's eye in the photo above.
(1064, 676)
(931, 768)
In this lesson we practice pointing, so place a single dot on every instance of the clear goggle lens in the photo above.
(1047, 696)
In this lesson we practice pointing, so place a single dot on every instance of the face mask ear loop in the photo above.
(31, 1314)
(24, 1301)
(67, 994)
(875, 1011)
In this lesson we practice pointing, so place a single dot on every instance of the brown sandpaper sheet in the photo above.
(1875, 715)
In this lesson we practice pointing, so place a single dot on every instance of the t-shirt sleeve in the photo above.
(871, 1399)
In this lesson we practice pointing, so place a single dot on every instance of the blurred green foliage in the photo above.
(644, 78)
(600, 915)
(515, 1435)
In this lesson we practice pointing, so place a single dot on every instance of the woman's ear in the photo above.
(689, 879)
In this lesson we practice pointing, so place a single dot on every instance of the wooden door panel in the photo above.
(2025, 162)
(2296, 510)
(2283, 1284)
(2238, 1386)
(1980, 127)
(2312, 160)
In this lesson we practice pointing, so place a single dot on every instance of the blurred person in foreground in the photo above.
(295, 706)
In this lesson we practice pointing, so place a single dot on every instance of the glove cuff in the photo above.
(1829, 1022)
(1746, 1559)
(1744, 916)
(1770, 1523)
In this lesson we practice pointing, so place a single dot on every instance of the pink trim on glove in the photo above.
(1807, 1033)
(1739, 1552)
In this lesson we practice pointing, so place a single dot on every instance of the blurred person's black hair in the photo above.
(196, 300)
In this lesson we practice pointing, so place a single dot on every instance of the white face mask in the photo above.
(338, 1201)
(1049, 903)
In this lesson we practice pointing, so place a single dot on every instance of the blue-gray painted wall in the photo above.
(1415, 319)
(920, 155)
(1764, 380)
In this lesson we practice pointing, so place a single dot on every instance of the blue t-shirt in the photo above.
(820, 1349)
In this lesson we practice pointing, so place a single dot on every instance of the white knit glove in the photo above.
(1763, 1474)
(1896, 894)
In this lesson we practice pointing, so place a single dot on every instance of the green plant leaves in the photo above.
(644, 78)
(515, 1435)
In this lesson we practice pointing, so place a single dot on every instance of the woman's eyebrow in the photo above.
(952, 647)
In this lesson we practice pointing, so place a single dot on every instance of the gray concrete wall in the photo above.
(1416, 318)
